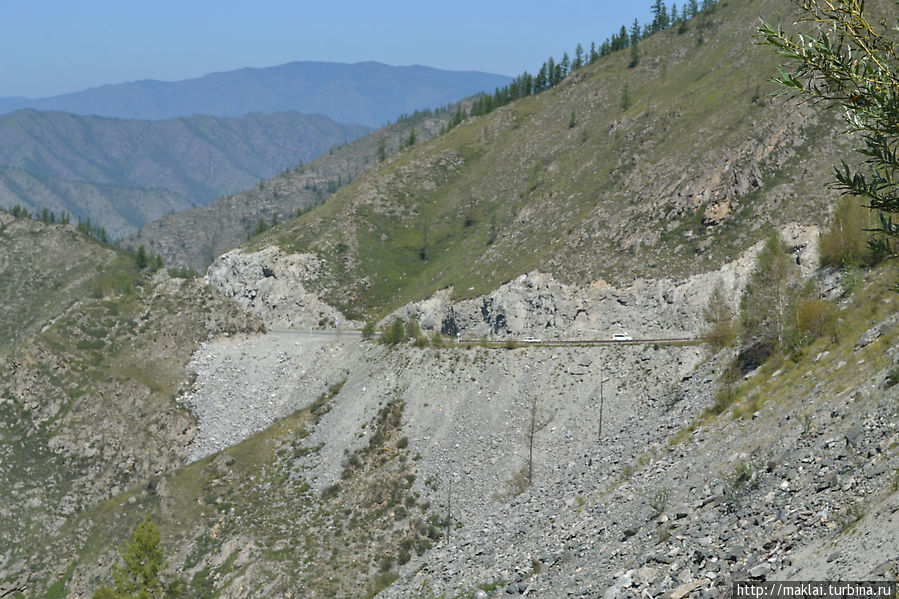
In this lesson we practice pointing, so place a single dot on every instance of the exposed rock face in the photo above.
(716, 212)
(273, 285)
(537, 304)
(276, 286)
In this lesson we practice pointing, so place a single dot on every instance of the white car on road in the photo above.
(621, 337)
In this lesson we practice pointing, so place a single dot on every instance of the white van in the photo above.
(621, 337)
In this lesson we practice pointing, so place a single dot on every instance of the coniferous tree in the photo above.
(540, 79)
(558, 75)
(578, 58)
(141, 258)
(659, 14)
(528, 83)
(141, 576)
(692, 9)
(625, 102)
(635, 56)
(594, 54)
(514, 90)
(635, 32)
(564, 66)
(605, 49)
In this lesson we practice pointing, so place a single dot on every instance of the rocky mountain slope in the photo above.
(366, 93)
(124, 173)
(605, 194)
(321, 448)
(99, 351)
(281, 456)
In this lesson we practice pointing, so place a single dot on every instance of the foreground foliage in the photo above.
(851, 62)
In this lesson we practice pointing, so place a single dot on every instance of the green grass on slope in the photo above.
(620, 194)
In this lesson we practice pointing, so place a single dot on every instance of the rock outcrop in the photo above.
(272, 285)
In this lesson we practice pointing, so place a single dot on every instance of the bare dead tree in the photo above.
(530, 434)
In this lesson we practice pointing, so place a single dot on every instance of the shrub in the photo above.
(722, 333)
(815, 318)
(385, 563)
(437, 339)
(738, 480)
(892, 377)
(845, 243)
(404, 556)
(724, 399)
(413, 331)
(394, 334)
(331, 491)
(183, 273)
(658, 500)
(722, 325)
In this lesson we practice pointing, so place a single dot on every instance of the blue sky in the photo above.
(49, 47)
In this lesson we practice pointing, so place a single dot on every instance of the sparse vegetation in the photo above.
(850, 516)
(722, 326)
(658, 501)
(740, 479)
(892, 377)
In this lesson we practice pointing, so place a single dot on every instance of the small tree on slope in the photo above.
(141, 575)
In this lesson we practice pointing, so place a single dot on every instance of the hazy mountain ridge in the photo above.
(367, 93)
(124, 173)
(196, 236)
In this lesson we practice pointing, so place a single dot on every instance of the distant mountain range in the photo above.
(367, 93)
(125, 173)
